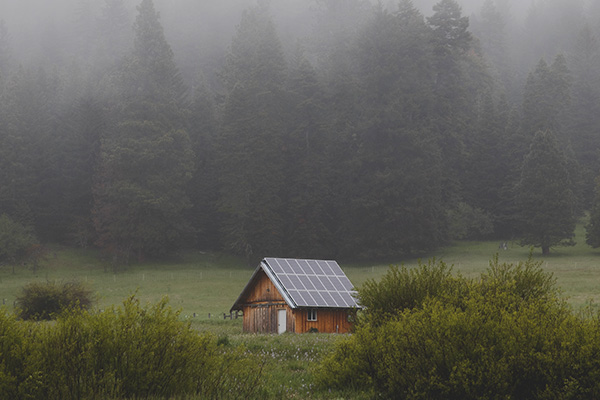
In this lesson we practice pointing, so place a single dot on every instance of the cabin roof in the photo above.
(305, 283)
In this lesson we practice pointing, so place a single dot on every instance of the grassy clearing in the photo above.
(204, 283)
(209, 283)
(195, 282)
(576, 269)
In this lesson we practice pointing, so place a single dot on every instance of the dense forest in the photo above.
(319, 129)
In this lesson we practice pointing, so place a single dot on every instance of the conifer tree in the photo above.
(460, 81)
(250, 145)
(394, 149)
(308, 166)
(546, 100)
(584, 123)
(545, 196)
(203, 128)
(146, 157)
(592, 229)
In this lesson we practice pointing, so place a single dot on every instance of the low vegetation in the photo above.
(435, 302)
(44, 301)
(509, 334)
(124, 352)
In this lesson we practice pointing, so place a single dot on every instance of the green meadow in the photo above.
(200, 284)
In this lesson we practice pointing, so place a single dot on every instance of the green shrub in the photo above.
(512, 337)
(123, 352)
(19, 366)
(403, 288)
(526, 280)
(44, 301)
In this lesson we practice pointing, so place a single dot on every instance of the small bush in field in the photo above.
(44, 301)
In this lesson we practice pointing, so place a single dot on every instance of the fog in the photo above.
(199, 32)
(310, 128)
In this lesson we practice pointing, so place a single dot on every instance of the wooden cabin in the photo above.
(292, 295)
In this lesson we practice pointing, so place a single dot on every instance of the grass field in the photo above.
(202, 283)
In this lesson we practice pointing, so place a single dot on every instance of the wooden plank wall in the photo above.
(328, 321)
(263, 301)
(263, 290)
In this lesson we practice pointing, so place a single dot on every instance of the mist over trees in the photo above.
(321, 128)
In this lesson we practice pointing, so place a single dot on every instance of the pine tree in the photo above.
(545, 196)
(87, 125)
(308, 169)
(490, 167)
(592, 229)
(202, 188)
(585, 108)
(250, 147)
(460, 81)
(146, 157)
(394, 150)
(492, 34)
(547, 99)
(28, 147)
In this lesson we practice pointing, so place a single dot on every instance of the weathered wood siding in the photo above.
(263, 290)
(263, 300)
(261, 305)
(329, 320)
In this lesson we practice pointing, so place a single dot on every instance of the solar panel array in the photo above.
(313, 283)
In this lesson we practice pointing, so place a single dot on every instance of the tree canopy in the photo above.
(371, 132)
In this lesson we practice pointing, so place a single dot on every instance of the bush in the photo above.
(512, 337)
(403, 288)
(19, 375)
(123, 352)
(44, 301)
(526, 280)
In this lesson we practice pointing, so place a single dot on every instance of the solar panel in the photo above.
(313, 283)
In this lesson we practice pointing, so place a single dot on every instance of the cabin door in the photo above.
(281, 321)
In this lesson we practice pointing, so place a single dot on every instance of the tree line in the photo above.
(385, 134)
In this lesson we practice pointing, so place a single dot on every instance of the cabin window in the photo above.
(312, 314)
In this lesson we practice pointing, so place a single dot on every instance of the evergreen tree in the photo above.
(547, 98)
(394, 148)
(308, 165)
(584, 123)
(250, 145)
(86, 127)
(146, 157)
(592, 229)
(202, 188)
(490, 29)
(545, 196)
(490, 166)
(459, 80)
(28, 185)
